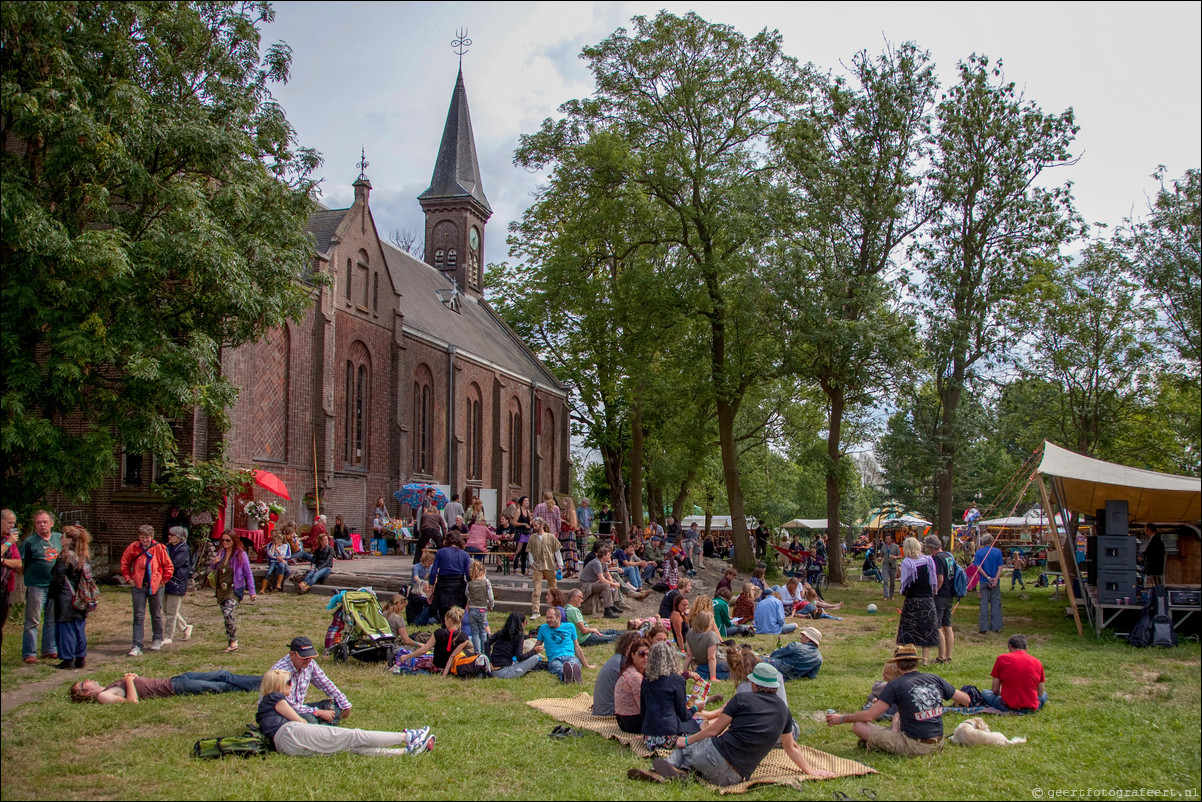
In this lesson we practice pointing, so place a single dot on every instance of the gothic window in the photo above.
(439, 259)
(451, 259)
(552, 472)
(515, 443)
(475, 433)
(423, 422)
(357, 407)
(269, 396)
(349, 278)
(375, 292)
(364, 267)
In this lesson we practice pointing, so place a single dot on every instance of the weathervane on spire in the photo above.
(461, 43)
(363, 164)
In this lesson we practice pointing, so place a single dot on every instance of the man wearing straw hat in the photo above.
(919, 698)
(731, 747)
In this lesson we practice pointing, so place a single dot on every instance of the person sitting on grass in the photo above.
(722, 616)
(680, 622)
(1018, 680)
(801, 658)
(919, 699)
(770, 616)
(588, 636)
(132, 689)
(743, 660)
(665, 699)
(394, 611)
(727, 580)
(702, 647)
(812, 605)
(628, 691)
(888, 674)
(504, 650)
(559, 641)
(448, 642)
(607, 677)
(289, 734)
(731, 747)
(299, 662)
(744, 606)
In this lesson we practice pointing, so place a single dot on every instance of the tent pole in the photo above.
(1068, 583)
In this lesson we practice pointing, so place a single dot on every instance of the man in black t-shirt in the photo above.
(919, 698)
(1153, 557)
(945, 572)
(730, 748)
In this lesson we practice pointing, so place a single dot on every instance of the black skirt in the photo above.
(919, 623)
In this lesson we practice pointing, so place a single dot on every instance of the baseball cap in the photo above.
(766, 675)
(303, 647)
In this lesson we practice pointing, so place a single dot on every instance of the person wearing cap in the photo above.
(299, 662)
(801, 658)
(729, 749)
(919, 698)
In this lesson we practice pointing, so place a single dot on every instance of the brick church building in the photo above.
(399, 372)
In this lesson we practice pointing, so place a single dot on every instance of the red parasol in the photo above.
(272, 484)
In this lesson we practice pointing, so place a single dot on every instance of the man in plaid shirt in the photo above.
(299, 663)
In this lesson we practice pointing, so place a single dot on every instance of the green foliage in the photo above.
(201, 485)
(1166, 251)
(154, 213)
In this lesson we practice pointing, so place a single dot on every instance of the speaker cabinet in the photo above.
(1116, 553)
(1116, 518)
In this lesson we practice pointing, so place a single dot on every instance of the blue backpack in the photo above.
(957, 576)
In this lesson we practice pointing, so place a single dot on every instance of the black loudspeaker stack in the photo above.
(1114, 554)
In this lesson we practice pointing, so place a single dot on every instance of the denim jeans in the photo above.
(72, 638)
(704, 758)
(556, 666)
(606, 636)
(39, 609)
(632, 576)
(316, 575)
(994, 700)
(276, 568)
(214, 682)
(1017, 576)
(990, 618)
(478, 620)
(140, 597)
(515, 670)
(722, 670)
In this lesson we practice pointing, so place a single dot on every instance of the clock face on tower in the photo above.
(473, 239)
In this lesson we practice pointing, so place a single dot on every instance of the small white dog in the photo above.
(976, 732)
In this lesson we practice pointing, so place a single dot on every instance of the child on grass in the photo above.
(447, 643)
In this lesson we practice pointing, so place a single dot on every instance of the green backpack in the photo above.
(251, 742)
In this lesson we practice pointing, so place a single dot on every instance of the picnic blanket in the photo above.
(777, 768)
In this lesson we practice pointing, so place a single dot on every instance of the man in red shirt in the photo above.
(1018, 680)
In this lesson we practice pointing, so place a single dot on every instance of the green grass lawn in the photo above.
(1118, 719)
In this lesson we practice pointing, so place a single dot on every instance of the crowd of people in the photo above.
(656, 684)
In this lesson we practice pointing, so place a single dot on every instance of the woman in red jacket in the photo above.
(146, 567)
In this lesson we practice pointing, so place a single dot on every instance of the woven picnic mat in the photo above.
(776, 768)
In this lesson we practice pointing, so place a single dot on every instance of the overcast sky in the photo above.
(379, 76)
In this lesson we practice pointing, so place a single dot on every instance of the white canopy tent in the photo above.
(806, 523)
(1084, 485)
(718, 523)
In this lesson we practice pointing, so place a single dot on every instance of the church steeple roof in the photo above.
(457, 171)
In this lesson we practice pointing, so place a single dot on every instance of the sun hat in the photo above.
(813, 634)
(906, 651)
(765, 675)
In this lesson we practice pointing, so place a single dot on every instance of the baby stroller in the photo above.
(359, 629)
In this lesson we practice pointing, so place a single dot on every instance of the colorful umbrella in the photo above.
(414, 495)
(272, 484)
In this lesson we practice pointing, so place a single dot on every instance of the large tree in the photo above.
(1166, 251)
(994, 225)
(154, 212)
(694, 102)
(852, 168)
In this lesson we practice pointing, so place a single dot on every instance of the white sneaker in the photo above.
(156, 645)
(165, 642)
(134, 652)
(187, 631)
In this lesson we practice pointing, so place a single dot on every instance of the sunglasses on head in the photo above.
(642, 653)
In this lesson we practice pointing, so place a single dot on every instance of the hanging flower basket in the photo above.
(310, 500)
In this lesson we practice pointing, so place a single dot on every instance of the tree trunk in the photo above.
(636, 464)
(655, 500)
(945, 481)
(611, 458)
(683, 496)
(744, 554)
(834, 552)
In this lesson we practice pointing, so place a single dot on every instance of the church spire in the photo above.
(457, 170)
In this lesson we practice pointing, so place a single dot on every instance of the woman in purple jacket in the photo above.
(234, 579)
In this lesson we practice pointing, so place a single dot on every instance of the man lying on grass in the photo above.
(133, 689)
(731, 747)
